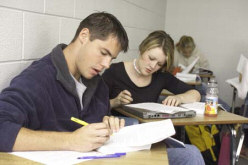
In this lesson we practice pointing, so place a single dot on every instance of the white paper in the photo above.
(244, 83)
(138, 137)
(241, 63)
(56, 157)
(189, 68)
(182, 66)
(187, 77)
(157, 107)
(199, 107)
(130, 138)
(110, 148)
(242, 87)
(234, 82)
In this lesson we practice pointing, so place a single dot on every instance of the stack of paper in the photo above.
(138, 137)
(186, 77)
(199, 107)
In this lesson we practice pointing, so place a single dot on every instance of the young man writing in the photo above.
(36, 108)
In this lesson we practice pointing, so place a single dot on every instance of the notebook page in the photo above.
(138, 136)
(199, 107)
(55, 157)
(241, 63)
(189, 68)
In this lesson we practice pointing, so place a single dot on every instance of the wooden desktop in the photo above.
(156, 156)
(223, 118)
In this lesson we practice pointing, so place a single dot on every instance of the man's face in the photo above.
(96, 55)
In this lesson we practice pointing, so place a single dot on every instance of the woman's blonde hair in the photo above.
(162, 40)
(185, 41)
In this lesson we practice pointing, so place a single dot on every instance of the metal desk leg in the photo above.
(234, 98)
(242, 134)
(241, 140)
(183, 134)
(233, 144)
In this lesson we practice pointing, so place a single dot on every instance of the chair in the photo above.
(240, 88)
(243, 126)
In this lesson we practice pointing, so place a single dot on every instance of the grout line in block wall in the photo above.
(35, 12)
(74, 9)
(18, 61)
(156, 13)
(75, 18)
(60, 26)
(44, 10)
(23, 21)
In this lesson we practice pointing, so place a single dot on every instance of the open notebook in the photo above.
(156, 110)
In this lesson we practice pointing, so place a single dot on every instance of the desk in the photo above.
(156, 156)
(206, 76)
(223, 117)
(194, 83)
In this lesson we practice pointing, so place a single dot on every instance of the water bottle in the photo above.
(211, 103)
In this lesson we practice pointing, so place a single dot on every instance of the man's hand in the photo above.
(123, 98)
(89, 137)
(172, 101)
(114, 123)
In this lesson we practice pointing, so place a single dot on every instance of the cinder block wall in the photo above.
(29, 29)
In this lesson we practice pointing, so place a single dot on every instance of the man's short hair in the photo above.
(102, 25)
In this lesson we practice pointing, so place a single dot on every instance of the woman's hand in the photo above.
(187, 97)
(123, 98)
(172, 100)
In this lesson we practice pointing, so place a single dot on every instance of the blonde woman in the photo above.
(186, 52)
(143, 79)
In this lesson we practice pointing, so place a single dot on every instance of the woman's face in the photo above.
(151, 61)
(187, 51)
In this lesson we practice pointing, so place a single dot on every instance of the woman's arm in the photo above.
(187, 97)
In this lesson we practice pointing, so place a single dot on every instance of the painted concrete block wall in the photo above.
(219, 29)
(29, 29)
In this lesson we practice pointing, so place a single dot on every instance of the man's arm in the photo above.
(84, 139)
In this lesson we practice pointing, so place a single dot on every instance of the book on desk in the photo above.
(156, 110)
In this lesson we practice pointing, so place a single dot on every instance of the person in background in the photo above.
(186, 52)
(143, 79)
(36, 108)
